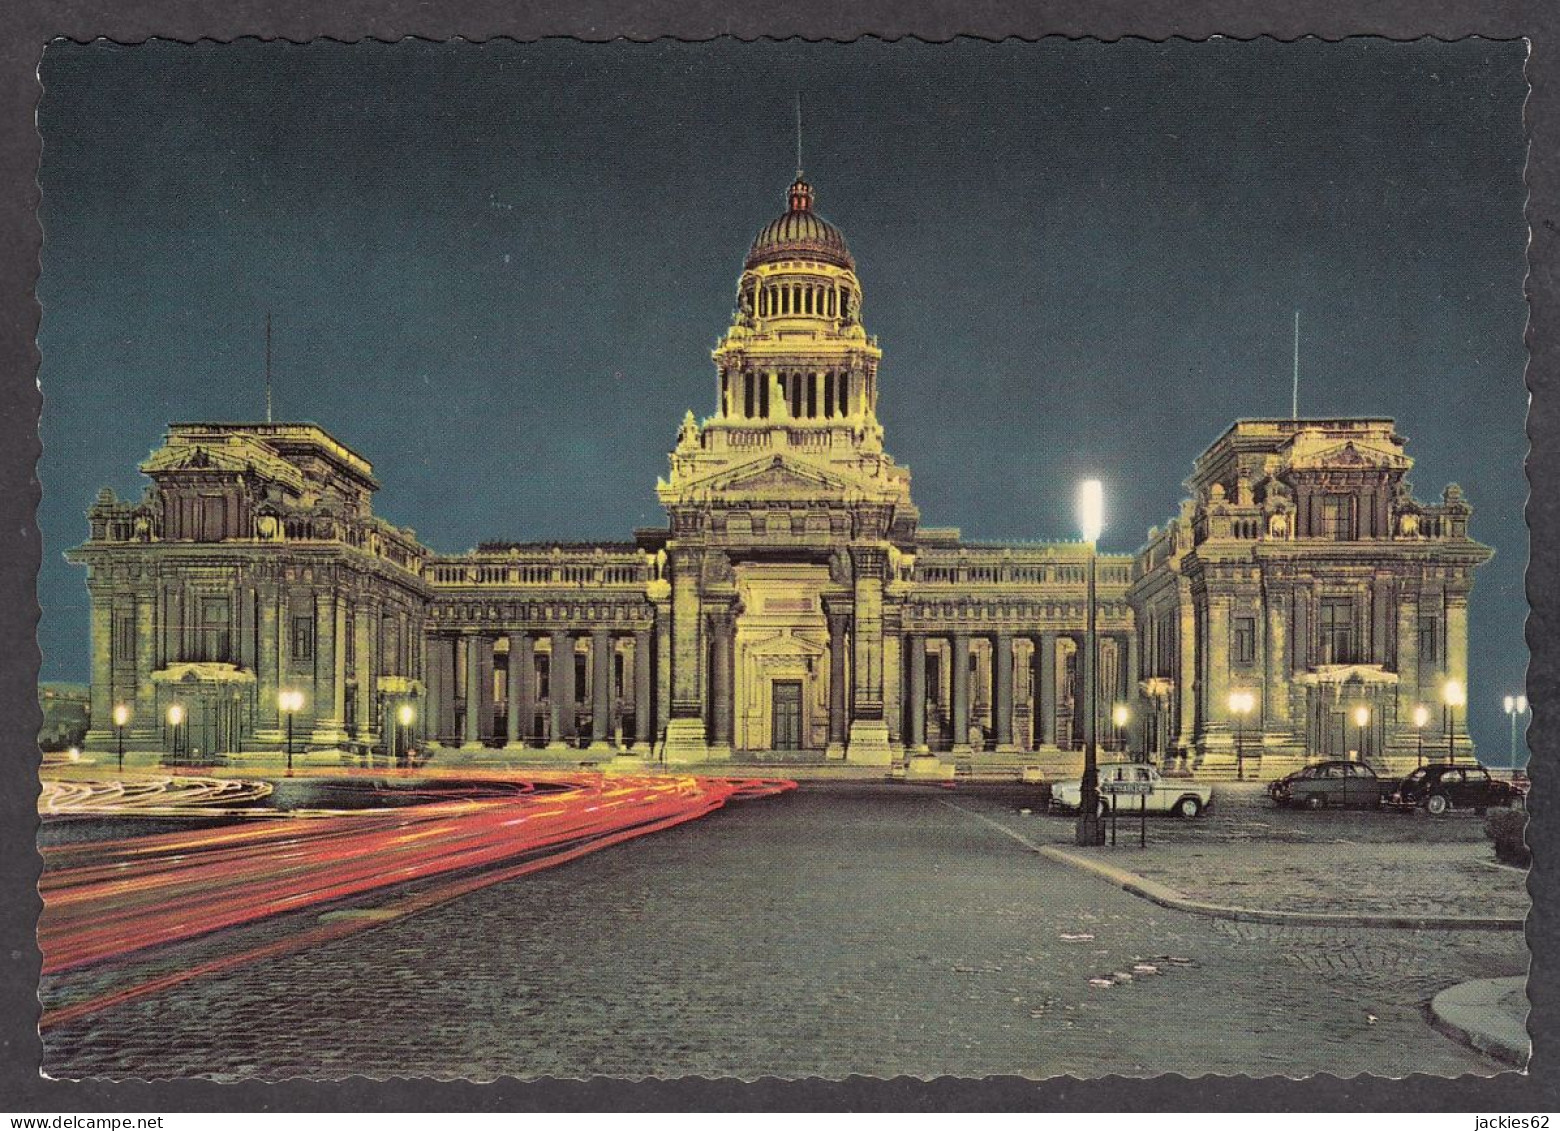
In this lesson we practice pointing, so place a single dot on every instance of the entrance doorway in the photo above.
(786, 727)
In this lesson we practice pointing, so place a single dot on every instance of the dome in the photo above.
(800, 234)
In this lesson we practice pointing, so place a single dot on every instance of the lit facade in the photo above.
(793, 606)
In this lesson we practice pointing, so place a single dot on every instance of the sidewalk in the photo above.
(1490, 1014)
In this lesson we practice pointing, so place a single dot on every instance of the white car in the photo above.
(1141, 784)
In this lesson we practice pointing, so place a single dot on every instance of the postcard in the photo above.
(783, 559)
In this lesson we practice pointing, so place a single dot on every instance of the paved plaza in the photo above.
(844, 928)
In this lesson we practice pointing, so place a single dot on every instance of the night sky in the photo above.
(497, 271)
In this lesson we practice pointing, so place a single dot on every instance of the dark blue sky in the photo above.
(497, 270)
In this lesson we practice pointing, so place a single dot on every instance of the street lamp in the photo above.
(1515, 705)
(1454, 695)
(1091, 520)
(1119, 717)
(121, 717)
(1362, 720)
(175, 718)
(1421, 717)
(404, 715)
(290, 702)
(1242, 703)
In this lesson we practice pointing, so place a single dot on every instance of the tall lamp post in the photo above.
(121, 717)
(175, 720)
(1120, 715)
(1515, 705)
(1242, 703)
(1454, 695)
(1361, 721)
(290, 702)
(1421, 717)
(405, 715)
(1091, 520)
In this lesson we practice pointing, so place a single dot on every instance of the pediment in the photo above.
(776, 477)
(198, 458)
(1351, 455)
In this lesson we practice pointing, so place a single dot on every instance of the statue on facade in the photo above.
(839, 568)
(717, 569)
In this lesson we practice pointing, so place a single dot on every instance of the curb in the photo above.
(1179, 901)
(1463, 1013)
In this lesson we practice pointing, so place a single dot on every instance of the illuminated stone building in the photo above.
(793, 606)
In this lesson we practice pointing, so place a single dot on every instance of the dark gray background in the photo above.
(21, 238)
(496, 270)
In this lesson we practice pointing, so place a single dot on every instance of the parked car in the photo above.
(1443, 787)
(1160, 794)
(1332, 785)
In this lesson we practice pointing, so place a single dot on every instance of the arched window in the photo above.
(807, 302)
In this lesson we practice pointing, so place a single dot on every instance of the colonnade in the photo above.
(1045, 658)
(812, 394)
(461, 691)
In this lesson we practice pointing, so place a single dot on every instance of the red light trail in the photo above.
(108, 899)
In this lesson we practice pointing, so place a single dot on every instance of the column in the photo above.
(102, 688)
(144, 691)
(472, 734)
(1407, 660)
(1457, 664)
(601, 689)
(644, 688)
(722, 659)
(686, 740)
(959, 673)
(326, 703)
(1045, 690)
(560, 689)
(339, 656)
(839, 721)
(663, 666)
(1275, 699)
(917, 705)
(1002, 692)
(868, 740)
(434, 711)
(1186, 672)
(269, 648)
(893, 676)
(363, 654)
(1218, 667)
(522, 711)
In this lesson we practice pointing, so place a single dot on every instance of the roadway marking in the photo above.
(998, 825)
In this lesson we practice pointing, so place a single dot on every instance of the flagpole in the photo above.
(1294, 395)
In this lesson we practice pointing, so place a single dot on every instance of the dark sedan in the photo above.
(1331, 785)
(1440, 788)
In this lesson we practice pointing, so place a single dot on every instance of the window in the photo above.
(124, 639)
(1245, 640)
(1336, 631)
(1429, 639)
(303, 638)
(1337, 517)
(579, 677)
(543, 676)
(213, 637)
(617, 675)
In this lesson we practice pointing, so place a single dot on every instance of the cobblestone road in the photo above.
(840, 929)
(1246, 852)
